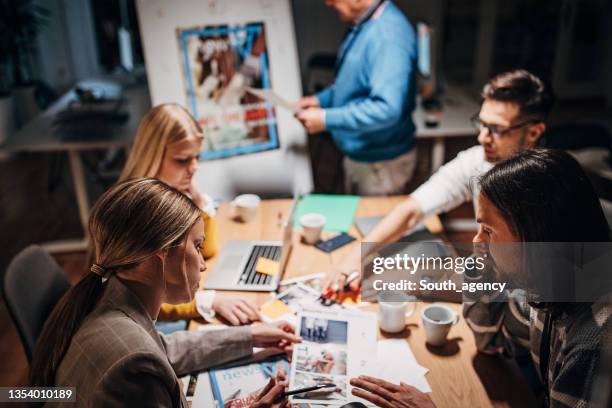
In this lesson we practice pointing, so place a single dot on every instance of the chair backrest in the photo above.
(578, 136)
(607, 209)
(33, 284)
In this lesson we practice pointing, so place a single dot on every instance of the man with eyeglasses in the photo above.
(512, 117)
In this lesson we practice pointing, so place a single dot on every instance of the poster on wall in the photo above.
(219, 62)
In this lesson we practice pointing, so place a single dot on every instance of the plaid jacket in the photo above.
(576, 347)
(117, 358)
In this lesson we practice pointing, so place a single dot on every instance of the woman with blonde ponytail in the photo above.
(167, 147)
(101, 338)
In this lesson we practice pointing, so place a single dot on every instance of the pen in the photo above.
(308, 389)
(305, 278)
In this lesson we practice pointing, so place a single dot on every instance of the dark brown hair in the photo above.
(534, 98)
(545, 196)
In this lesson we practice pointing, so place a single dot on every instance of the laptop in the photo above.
(235, 269)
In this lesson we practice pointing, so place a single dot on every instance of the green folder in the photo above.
(338, 209)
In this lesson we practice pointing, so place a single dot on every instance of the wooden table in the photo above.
(459, 376)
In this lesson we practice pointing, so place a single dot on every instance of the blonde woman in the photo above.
(167, 147)
(101, 337)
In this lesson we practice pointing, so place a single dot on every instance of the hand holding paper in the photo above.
(313, 119)
(275, 99)
(308, 102)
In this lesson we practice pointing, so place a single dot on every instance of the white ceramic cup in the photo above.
(312, 226)
(392, 315)
(244, 206)
(437, 321)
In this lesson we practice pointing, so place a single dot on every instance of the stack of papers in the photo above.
(335, 347)
(287, 304)
(396, 363)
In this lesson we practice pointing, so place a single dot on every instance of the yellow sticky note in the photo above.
(275, 309)
(350, 301)
(267, 266)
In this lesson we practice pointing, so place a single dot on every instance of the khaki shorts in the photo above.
(385, 177)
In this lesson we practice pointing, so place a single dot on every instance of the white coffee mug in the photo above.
(312, 226)
(392, 315)
(437, 321)
(244, 207)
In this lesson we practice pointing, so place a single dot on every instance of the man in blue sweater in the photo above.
(368, 110)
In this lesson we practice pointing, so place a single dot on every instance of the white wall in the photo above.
(277, 172)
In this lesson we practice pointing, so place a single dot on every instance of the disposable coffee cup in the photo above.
(244, 207)
(312, 226)
(437, 321)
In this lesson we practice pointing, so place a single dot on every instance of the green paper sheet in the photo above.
(338, 209)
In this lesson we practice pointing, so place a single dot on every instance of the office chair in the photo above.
(606, 206)
(32, 286)
(591, 145)
(578, 136)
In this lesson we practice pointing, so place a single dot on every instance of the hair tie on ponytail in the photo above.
(101, 271)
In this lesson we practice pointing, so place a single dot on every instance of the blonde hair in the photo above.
(164, 124)
(129, 223)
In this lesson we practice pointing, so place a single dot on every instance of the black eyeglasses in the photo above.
(495, 130)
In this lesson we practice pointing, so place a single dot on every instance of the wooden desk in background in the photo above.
(459, 376)
(42, 135)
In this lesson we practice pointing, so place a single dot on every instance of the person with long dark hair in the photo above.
(101, 339)
(537, 196)
(542, 196)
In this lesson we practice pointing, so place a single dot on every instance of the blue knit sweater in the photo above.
(369, 108)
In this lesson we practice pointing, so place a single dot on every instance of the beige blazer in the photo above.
(118, 359)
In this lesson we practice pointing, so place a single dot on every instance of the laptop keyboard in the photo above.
(249, 276)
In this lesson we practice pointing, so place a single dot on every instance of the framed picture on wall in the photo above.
(219, 62)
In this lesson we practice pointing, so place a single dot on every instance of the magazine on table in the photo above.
(238, 387)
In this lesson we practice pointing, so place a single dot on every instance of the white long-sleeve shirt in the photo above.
(454, 183)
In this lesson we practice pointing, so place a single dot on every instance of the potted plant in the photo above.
(20, 24)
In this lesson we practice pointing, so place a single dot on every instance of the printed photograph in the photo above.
(218, 64)
(321, 358)
(298, 296)
(320, 330)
